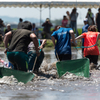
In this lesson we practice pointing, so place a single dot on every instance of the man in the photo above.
(32, 55)
(2, 25)
(8, 28)
(17, 50)
(73, 19)
(47, 29)
(84, 29)
(90, 17)
(20, 23)
(98, 20)
(63, 45)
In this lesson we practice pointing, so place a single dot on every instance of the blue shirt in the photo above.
(84, 29)
(63, 37)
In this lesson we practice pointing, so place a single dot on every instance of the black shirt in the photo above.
(20, 40)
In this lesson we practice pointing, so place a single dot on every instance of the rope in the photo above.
(85, 46)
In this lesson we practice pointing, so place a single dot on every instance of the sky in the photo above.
(56, 13)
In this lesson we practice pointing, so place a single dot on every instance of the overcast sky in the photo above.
(56, 13)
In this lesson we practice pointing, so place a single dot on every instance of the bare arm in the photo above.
(97, 38)
(73, 36)
(6, 40)
(53, 40)
(43, 43)
(79, 37)
(35, 41)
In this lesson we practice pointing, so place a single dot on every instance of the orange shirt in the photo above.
(89, 40)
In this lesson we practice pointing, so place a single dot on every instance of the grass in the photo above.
(49, 43)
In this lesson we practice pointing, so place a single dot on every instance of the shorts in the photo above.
(19, 60)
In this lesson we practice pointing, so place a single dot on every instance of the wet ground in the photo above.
(47, 87)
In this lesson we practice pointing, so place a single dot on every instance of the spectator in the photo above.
(34, 28)
(90, 17)
(64, 21)
(2, 28)
(20, 23)
(68, 17)
(73, 18)
(98, 20)
(47, 29)
(38, 33)
(8, 28)
(84, 29)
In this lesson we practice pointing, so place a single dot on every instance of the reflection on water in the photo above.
(50, 88)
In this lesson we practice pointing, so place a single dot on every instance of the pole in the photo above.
(49, 12)
(40, 13)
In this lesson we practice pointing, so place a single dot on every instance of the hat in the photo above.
(85, 20)
(8, 24)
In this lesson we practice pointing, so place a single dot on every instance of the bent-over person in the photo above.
(17, 50)
(63, 45)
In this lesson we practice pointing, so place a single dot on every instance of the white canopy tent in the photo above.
(50, 4)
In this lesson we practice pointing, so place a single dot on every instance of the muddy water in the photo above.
(47, 87)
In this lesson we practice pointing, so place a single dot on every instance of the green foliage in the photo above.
(49, 43)
(1, 44)
(80, 31)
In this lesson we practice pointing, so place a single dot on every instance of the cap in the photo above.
(8, 24)
(33, 23)
(85, 20)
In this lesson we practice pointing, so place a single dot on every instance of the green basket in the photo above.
(79, 67)
(21, 76)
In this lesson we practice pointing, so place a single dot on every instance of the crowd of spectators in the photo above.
(69, 21)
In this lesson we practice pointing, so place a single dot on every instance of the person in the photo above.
(90, 17)
(32, 55)
(68, 17)
(17, 50)
(97, 20)
(90, 38)
(84, 29)
(7, 30)
(73, 19)
(64, 21)
(63, 45)
(20, 23)
(38, 32)
(34, 28)
(47, 29)
(2, 25)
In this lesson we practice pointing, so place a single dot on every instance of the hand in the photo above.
(37, 53)
(40, 47)
(5, 51)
